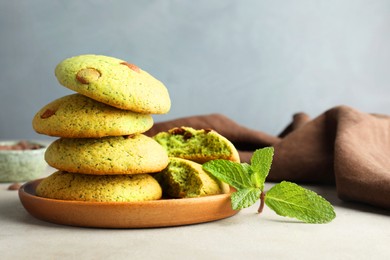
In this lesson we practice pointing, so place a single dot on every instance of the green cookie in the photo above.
(197, 145)
(77, 116)
(186, 179)
(114, 82)
(134, 154)
(99, 188)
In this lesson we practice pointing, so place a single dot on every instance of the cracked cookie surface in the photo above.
(186, 179)
(198, 145)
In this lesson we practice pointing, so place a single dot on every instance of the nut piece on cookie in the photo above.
(78, 116)
(114, 82)
(99, 188)
(197, 145)
(186, 179)
(86, 76)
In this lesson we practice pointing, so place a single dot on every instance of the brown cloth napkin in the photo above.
(342, 146)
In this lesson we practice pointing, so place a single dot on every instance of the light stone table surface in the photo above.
(358, 232)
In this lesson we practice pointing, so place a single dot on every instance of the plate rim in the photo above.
(35, 205)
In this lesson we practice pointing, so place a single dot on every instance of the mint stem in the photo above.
(261, 207)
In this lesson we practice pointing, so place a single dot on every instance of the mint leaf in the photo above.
(290, 200)
(260, 165)
(245, 198)
(286, 198)
(234, 174)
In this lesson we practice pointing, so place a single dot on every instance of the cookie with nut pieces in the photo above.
(114, 82)
(78, 116)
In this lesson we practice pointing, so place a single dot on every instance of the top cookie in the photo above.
(114, 82)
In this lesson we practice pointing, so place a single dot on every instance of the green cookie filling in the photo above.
(186, 179)
(186, 142)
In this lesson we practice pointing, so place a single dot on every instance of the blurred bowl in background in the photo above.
(21, 161)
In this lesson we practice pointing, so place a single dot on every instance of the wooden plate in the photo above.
(157, 213)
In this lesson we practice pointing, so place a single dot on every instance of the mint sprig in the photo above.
(286, 198)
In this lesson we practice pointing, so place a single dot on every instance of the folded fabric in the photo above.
(342, 146)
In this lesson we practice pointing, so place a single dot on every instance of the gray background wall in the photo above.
(258, 62)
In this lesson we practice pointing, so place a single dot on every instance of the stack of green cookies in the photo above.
(102, 153)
